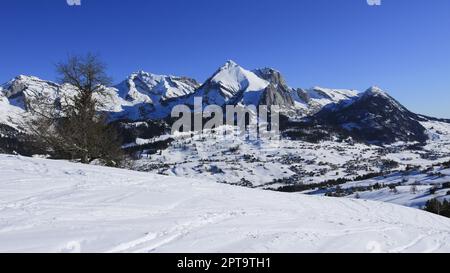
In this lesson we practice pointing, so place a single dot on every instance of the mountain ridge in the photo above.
(146, 96)
(155, 93)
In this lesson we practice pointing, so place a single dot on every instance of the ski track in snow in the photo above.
(56, 206)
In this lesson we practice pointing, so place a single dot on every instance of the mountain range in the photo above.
(372, 116)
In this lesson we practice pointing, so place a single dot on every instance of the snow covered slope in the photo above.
(232, 83)
(9, 114)
(16, 94)
(55, 206)
(326, 96)
(319, 96)
(19, 89)
(155, 89)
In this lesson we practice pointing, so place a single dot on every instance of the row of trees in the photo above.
(70, 125)
(438, 207)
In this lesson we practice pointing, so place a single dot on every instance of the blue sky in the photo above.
(402, 46)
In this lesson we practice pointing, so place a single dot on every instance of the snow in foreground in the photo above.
(55, 206)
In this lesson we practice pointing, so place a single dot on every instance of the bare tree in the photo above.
(69, 124)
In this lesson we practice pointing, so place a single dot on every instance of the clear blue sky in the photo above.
(403, 45)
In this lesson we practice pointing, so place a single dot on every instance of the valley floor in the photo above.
(56, 206)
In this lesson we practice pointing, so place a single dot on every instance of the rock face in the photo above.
(277, 92)
(276, 95)
(374, 117)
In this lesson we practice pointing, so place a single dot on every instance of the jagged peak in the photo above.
(141, 72)
(231, 72)
(229, 65)
(144, 74)
(268, 72)
(272, 75)
(149, 77)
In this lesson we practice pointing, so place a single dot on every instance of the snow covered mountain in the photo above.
(311, 101)
(232, 84)
(18, 91)
(141, 96)
(374, 116)
(56, 206)
(149, 96)
(155, 89)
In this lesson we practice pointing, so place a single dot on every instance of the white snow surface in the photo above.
(9, 114)
(56, 206)
(229, 81)
(235, 78)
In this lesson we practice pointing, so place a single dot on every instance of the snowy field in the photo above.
(55, 206)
